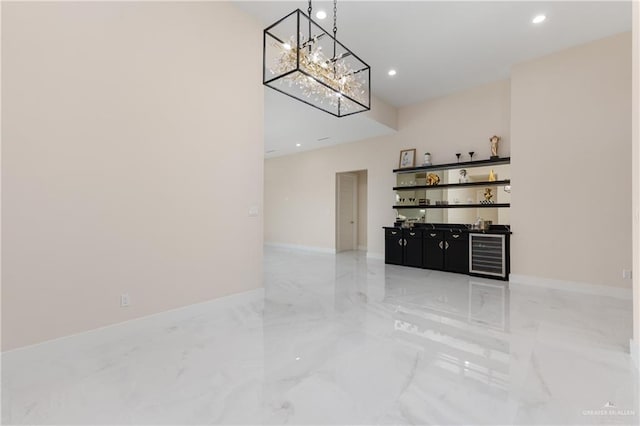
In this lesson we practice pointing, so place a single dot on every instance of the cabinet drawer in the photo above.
(391, 233)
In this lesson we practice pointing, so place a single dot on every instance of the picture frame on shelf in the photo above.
(407, 158)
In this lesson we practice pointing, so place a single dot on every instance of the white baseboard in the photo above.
(516, 280)
(634, 350)
(299, 247)
(362, 248)
(371, 255)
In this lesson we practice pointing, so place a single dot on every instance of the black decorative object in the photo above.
(307, 63)
(458, 156)
(471, 155)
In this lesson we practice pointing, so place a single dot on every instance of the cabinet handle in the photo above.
(405, 242)
(440, 245)
(456, 235)
(412, 233)
(400, 241)
(446, 245)
(433, 235)
(393, 232)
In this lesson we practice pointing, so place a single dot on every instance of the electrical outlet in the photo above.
(124, 300)
(626, 274)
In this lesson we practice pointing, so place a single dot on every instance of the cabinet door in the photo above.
(393, 247)
(456, 254)
(413, 248)
(433, 250)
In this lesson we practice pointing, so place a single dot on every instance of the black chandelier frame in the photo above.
(347, 52)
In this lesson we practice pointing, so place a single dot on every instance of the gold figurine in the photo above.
(488, 195)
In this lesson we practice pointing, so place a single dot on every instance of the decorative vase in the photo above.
(427, 159)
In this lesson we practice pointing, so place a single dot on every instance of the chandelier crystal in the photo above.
(302, 60)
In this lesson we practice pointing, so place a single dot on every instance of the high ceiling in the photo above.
(442, 47)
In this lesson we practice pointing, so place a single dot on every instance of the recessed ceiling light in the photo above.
(539, 19)
(297, 144)
(321, 14)
(392, 72)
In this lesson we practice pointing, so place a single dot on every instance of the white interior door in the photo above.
(347, 212)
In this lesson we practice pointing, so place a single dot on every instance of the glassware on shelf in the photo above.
(471, 155)
(458, 154)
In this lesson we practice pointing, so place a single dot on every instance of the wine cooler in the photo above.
(487, 255)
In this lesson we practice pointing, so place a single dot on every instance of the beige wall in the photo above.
(383, 113)
(121, 140)
(300, 194)
(571, 132)
(300, 211)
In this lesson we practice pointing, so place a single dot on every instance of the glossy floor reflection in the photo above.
(342, 340)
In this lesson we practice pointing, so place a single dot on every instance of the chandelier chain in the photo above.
(335, 25)
(335, 18)
(309, 10)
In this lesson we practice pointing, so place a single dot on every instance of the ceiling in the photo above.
(289, 123)
(437, 48)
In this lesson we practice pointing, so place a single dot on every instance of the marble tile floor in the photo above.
(341, 339)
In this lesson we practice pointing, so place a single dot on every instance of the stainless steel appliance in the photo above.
(487, 254)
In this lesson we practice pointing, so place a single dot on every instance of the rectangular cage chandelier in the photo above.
(307, 63)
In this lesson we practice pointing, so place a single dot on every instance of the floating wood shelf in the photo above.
(454, 206)
(453, 185)
(462, 165)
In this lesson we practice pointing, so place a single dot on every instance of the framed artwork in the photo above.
(407, 158)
